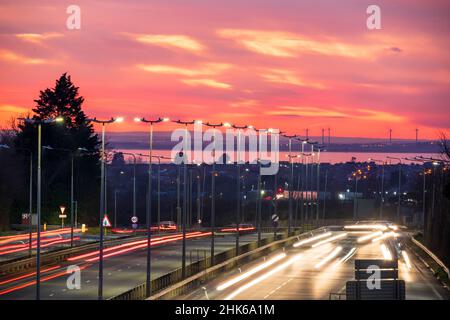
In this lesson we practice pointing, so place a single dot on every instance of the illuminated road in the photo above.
(121, 272)
(308, 272)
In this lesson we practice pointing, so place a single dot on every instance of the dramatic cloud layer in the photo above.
(288, 64)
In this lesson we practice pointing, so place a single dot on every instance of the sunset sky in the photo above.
(286, 64)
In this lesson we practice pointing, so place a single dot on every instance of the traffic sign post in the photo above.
(105, 222)
(62, 216)
(275, 221)
(134, 221)
(376, 279)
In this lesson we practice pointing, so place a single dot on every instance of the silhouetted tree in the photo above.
(63, 100)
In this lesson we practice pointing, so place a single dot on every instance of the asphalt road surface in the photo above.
(121, 272)
(305, 273)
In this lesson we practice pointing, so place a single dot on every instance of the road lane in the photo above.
(122, 272)
(302, 280)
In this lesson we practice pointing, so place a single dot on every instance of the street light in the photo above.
(238, 183)
(183, 218)
(134, 177)
(399, 184)
(102, 198)
(291, 181)
(39, 123)
(213, 190)
(149, 198)
(383, 163)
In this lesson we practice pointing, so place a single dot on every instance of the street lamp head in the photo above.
(165, 119)
(227, 124)
(47, 147)
(198, 121)
(119, 120)
(251, 127)
(136, 119)
(59, 119)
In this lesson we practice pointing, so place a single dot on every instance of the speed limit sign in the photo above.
(134, 219)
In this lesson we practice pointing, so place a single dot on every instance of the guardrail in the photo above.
(432, 255)
(173, 284)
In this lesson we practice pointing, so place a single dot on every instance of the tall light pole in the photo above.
(291, 181)
(103, 123)
(213, 188)
(318, 183)
(134, 178)
(115, 208)
(302, 188)
(383, 163)
(39, 123)
(72, 156)
(151, 122)
(238, 183)
(30, 196)
(183, 218)
(399, 185)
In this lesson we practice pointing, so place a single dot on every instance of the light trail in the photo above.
(31, 283)
(345, 258)
(406, 259)
(42, 246)
(369, 236)
(365, 226)
(314, 238)
(337, 237)
(129, 244)
(263, 277)
(26, 236)
(251, 272)
(27, 275)
(235, 229)
(386, 252)
(144, 245)
(385, 236)
(328, 258)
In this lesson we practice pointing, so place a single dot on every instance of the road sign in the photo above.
(134, 219)
(388, 290)
(380, 263)
(62, 216)
(105, 222)
(275, 219)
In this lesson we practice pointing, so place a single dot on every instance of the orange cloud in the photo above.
(289, 77)
(288, 45)
(168, 41)
(205, 69)
(38, 38)
(321, 112)
(14, 57)
(207, 82)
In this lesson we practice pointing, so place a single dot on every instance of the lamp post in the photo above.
(183, 218)
(383, 163)
(213, 188)
(103, 123)
(72, 156)
(134, 178)
(302, 188)
(291, 181)
(238, 183)
(399, 185)
(39, 123)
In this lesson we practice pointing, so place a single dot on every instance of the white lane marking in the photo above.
(277, 288)
(51, 294)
